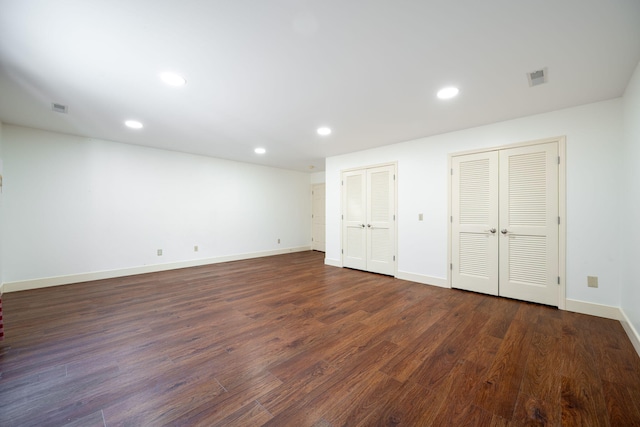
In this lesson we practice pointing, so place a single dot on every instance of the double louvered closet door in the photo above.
(505, 223)
(368, 219)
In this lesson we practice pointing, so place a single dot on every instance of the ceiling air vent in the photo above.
(59, 108)
(537, 77)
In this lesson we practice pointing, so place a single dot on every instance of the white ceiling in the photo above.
(269, 72)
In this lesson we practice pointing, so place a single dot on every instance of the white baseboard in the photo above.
(583, 307)
(109, 274)
(425, 280)
(333, 262)
(630, 330)
(403, 275)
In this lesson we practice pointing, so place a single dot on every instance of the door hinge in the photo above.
(394, 217)
(342, 182)
(451, 218)
(312, 239)
(394, 176)
(558, 159)
(342, 251)
(558, 220)
(394, 257)
(451, 266)
(558, 280)
(341, 216)
(451, 171)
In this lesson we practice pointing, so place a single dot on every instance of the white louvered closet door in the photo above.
(380, 212)
(474, 246)
(354, 231)
(368, 225)
(529, 223)
(504, 223)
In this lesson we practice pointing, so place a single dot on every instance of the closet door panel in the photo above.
(529, 223)
(474, 222)
(354, 232)
(380, 222)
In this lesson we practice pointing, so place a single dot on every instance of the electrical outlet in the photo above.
(278, 241)
(195, 248)
(159, 252)
(592, 281)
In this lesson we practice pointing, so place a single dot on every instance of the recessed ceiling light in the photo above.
(324, 131)
(172, 79)
(260, 151)
(448, 92)
(133, 124)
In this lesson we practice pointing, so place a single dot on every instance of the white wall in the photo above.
(594, 139)
(630, 212)
(317, 178)
(76, 205)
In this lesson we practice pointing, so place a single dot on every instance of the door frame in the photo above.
(395, 209)
(562, 207)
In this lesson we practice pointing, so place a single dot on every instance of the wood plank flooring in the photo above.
(288, 341)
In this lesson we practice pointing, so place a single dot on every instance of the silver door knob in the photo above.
(491, 230)
(369, 225)
(362, 225)
(503, 231)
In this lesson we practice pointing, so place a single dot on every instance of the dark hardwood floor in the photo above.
(288, 341)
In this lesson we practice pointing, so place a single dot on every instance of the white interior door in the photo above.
(318, 217)
(504, 223)
(380, 220)
(474, 222)
(529, 267)
(354, 235)
(368, 233)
